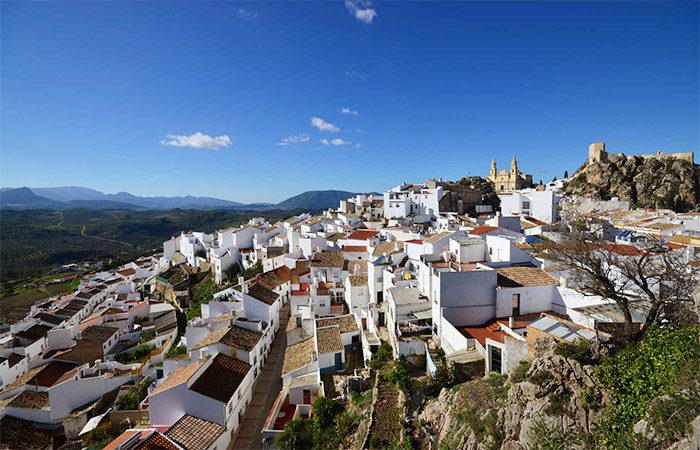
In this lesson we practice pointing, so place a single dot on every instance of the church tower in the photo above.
(493, 167)
(514, 166)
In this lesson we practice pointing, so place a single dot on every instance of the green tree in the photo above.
(566, 174)
(325, 410)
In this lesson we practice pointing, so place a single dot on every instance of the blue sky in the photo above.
(93, 91)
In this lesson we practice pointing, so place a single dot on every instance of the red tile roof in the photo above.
(674, 246)
(414, 241)
(127, 272)
(363, 234)
(484, 229)
(623, 249)
(355, 249)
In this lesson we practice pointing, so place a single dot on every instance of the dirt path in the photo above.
(82, 233)
(385, 426)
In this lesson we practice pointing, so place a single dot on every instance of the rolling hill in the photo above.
(72, 197)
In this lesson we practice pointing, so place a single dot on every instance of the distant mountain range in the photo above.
(71, 197)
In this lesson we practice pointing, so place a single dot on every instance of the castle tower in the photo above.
(493, 167)
(514, 166)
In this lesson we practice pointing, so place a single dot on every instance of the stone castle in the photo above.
(507, 181)
(597, 153)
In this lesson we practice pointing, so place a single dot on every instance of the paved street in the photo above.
(249, 435)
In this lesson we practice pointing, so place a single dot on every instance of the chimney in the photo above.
(245, 288)
(511, 322)
(564, 282)
(241, 280)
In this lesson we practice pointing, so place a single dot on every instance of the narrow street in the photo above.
(249, 435)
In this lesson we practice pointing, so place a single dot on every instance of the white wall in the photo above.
(532, 299)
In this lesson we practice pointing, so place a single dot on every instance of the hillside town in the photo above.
(315, 307)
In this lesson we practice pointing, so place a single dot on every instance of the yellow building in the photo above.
(508, 181)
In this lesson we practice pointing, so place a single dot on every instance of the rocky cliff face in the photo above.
(555, 394)
(648, 183)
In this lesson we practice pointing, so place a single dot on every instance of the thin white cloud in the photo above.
(361, 10)
(323, 125)
(336, 142)
(358, 145)
(349, 111)
(242, 12)
(359, 75)
(197, 140)
(360, 131)
(294, 139)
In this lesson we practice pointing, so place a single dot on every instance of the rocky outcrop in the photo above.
(556, 390)
(483, 187)
(645, 182)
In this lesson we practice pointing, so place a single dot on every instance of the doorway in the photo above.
(516, 304)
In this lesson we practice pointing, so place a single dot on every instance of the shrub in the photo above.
(375, 442)
(176, 351)
(546, 437)
(381, 356)
(671, 417)
(640, 373)
(325, 410)
(398, 375)
(298, 433)
(103, 434)
(589, 399)
(541, 377)
(520, 373)
(580, 350)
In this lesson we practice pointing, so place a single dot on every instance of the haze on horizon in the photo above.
(258, 101)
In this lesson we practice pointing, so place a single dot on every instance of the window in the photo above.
(526, 205)
(516, 304)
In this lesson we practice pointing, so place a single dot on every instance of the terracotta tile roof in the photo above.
(358, 280)
(437, 237)
(327, 259)
(283, 273)
(364, 234)
(156, 441)
(512, 277)
(263, 294)
(622, 249)
(221, 379)
(242, 338)
(119, 440)
(30, 400)
(297, 356)
(34, 333)
(21, 434)
(355, 249)
(211, 338)
(535, 221)
(271, 279)
(336, 237)
(484, 229)
(384, 247)
(329, 340)
(346, 323)
(127, 272)
(98, 334)
(178, 376)
(51, 373)
(50, 318)
(194, 433)
(415, 241)
(674, 246)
